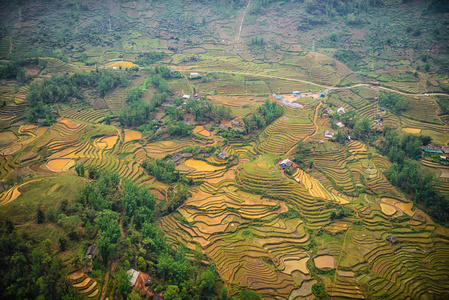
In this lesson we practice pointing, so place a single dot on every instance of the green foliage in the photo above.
(63, 88)
(393, 101)
(205, 111)
(408, 174)
(319, 290)
(224, 293)
(123, 284)
(269, 110)
(249, 295)
(163, 171)
(349, 58)
(31, 269)
(141, 264)
(172, 293)
(79, 169)
(40, 215)
(134, 94)
(148, 58)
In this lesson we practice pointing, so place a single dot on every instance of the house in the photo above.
(92, 252)
(195, 75)
(222, 127)
(328, 134)
(341, 110)
(286, 163)
(134, 275)
(157, 120)
(340, 124)
(186, 97)
(168, 104)
(298, 180)
(327, 110)
(156, 297)
(237, 125)
(392, 239)
(40, 121)
(148, 282)
(374, 83)
(443, 157)
(432, 149)
(178, 156)
(222, 155)
(445, 150)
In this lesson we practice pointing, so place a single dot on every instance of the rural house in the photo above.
(237, 125)
(341, 111)
(92, 252)
(286, 163)
(222, 155)
(222, 127)
(133, 276)
(328, 134)
(432, 149)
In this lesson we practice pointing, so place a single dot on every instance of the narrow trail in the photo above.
(122, 232)
(314, 133)
(106, 277)
(242, 19)
(321, 85)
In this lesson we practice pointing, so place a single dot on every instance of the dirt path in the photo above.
(242, 19)
(315, 117)
(121, 227)
(321, 85)
(106, 277)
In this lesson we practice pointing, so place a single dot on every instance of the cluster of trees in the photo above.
(16, 70)
(30, 268)
(349, 58)
(148, 58)
(163, 171)
(257, 41)
(268, 112)
(179, 128)
(205, 111)
(408, 174)
(143, 241)
(393, 101)
(64, 88)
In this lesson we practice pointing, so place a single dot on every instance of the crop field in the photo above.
(278, 231)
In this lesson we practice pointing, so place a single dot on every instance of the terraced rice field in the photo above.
(132, 135)
(60, 164)
(200, 165)
(200, 130)
(324, 262)
(123, 64)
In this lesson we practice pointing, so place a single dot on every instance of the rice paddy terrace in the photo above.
(258, 226)
(328, 223)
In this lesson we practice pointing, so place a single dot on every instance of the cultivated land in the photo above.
(257, 225)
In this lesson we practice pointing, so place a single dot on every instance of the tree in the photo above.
(123, 284)
(141, 264)
(172, 293)
(40, 215)
(79, 169)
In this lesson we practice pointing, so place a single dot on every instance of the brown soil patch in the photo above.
(324, 262)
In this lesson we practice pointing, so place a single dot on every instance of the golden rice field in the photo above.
(123, 64)
(388, 209)
(200, 165)
(132, 135)
(60, 164)
(200, 130)
(412, 130)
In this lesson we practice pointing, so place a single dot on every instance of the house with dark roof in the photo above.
(92, 252)
(432, 149)
(222, 155)
(237, 125)
(222, 127)
(286, 163)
